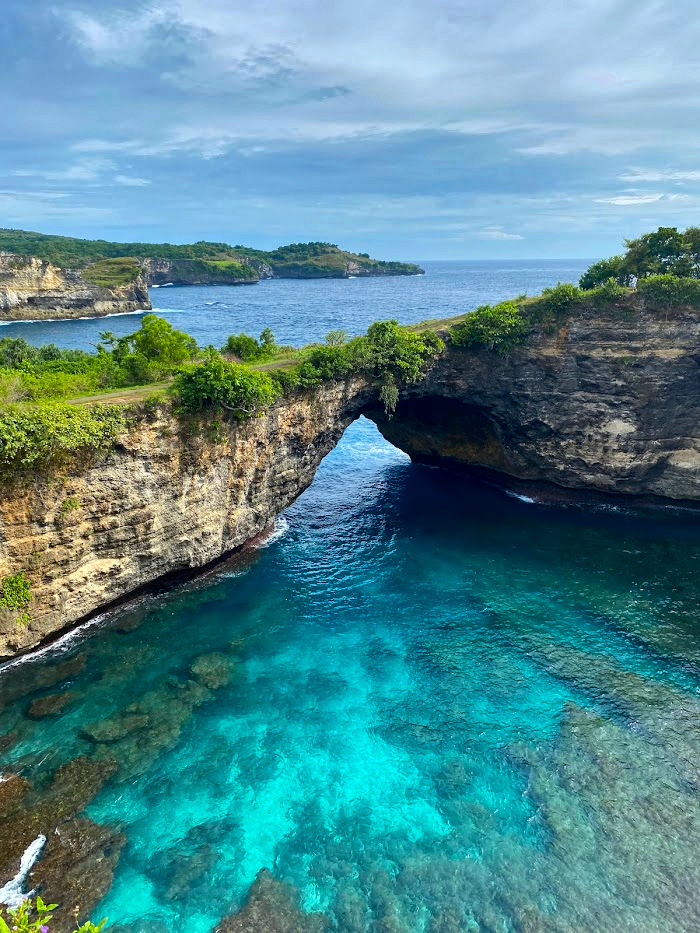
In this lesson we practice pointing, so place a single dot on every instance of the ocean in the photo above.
(431, 706)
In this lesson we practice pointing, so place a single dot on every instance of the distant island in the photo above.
(44, 276)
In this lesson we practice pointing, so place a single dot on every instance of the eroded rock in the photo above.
(50, 705)
(272, 906)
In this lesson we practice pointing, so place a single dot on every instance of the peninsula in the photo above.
(44, 277)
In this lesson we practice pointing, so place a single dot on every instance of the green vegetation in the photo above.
(666, 251)
(15, 595)
(49, 432)
(211, 271)
(664, 291)
(506, 325)
(110, 273)
(21, 920)
(216, 383)
(153, 353)
(249, 350)
(497, 327)
(388, 354)
(114, 263)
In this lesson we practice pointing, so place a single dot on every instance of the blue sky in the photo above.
(410, 130)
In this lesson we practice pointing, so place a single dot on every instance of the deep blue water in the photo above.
(302, 311)
(442, 709)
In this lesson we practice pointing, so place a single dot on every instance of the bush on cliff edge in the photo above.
(49, 432)
(217, 384)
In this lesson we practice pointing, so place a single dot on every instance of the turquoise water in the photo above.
(432, 707)
(448, 710)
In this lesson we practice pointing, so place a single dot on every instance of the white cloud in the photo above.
(131, 181)
(498, 233)
(629, 200)
(638, 175)
(561, 73)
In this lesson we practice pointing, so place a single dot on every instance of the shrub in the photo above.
(330, 362)
(338, 337)
(286, 380)
(218, 384)
(499, 327)
(15, 595)
(52, 431)
(663, 291)
(607, 293)
(558, 299)
(21, 920)
(159, 342)
(244, 347)
(389, 349)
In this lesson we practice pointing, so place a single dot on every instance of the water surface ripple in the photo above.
(429, 706)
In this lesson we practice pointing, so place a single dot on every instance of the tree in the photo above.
(665, 251)
(159, 342)
(603, 270)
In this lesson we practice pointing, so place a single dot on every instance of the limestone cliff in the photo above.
(34, 290)
(198, 272)
(172, 496)
(607, 403)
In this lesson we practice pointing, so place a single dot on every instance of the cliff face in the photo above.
(609, 403)
(166, 499)
(33, 289)
(198, 272)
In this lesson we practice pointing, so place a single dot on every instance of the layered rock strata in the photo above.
(35, 290)
(170, 497)
(608, 403)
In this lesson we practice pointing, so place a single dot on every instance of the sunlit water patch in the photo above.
(429, 706)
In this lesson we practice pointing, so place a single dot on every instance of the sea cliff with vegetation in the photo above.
(153, 456)
(43, 276)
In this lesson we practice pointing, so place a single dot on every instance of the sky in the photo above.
(408, 130)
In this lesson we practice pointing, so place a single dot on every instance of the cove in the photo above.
(429, 706)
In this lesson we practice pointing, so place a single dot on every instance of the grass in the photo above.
(111, 273)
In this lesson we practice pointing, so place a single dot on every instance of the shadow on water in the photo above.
(427, 705)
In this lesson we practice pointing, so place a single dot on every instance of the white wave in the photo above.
(60, 320)
(60, 646)
(517, 495)
(11, 894)
(279, 530)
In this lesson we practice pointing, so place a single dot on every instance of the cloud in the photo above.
(628, 200)
(203, 112)
(131, 181)
(632, 199)
(651, 175)
(497, 233)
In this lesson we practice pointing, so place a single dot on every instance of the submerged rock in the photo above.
(50, 705)
(114, 728)
(77, 862)
(213, 670)
(272, 906)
